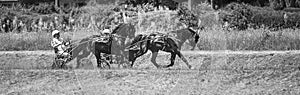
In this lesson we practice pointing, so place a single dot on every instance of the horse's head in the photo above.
(83, 46)
(126, 31)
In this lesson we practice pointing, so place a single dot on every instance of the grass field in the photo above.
(28, 41)
(259, 39)
(211, 39)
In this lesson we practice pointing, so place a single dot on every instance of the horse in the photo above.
(184, 35)
(82, 49)
(121, 37)
(156, 42)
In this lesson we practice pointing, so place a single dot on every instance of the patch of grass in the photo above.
(216, 38)
(258, 39)
(27, 41)
(164, 21)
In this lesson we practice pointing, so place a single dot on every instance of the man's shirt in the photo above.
(58, 43)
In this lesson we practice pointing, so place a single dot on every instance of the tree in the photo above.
(217, 4)
(277, 4)
(190, 4)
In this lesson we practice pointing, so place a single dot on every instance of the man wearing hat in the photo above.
(106, 32)
(58, 44)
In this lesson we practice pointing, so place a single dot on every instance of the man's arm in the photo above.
(56, 43)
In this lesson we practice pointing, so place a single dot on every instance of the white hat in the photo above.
(55, 32)
(106, 31)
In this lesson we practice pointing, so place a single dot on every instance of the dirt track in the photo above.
(199, 59)
(221, 72)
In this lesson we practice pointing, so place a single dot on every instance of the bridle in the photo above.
(194, 33)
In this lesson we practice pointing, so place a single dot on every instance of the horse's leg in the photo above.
(153, 58)
(107, 58)
(98, 58)
(192, 43)
(179, 45)
(183, 58)
(173, 56)
(131, 57)
(132, 63)
(81, 56)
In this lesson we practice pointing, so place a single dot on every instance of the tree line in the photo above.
(275, 4)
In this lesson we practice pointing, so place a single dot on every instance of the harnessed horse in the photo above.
(162, 42)
(120, 38)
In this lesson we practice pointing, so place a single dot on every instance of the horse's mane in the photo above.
(190, 30)
(138, 38)
(195, 34)
(118, 27)
(193, 31)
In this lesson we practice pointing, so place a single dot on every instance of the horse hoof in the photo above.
(159, 67)
(165, 66)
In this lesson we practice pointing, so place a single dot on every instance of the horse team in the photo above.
(125, 47)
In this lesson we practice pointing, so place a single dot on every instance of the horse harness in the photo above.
(159, 38)
(103, 39)
(152, 38)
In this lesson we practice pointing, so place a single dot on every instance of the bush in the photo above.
(277, 4)
(188, 17)
(270, 19)
(45, 8)
(241, 16)
(275, 19)
(156, 3)
(237, 15)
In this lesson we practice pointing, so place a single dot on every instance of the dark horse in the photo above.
(164, 42)
(121, 37)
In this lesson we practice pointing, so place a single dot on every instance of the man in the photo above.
(58, 44)
(7, 26)
(71, 22)
(15, 24)
(106, 31)
(1, 25)
(106, 34)
(56, 23)
(20, 27)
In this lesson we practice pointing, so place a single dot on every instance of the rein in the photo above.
(77, 45)
(143, 41)
(118, 36)
(92, 39)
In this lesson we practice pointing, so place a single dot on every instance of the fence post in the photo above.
(117, 2)
(190, 4)
(56, 3)
(139, 21)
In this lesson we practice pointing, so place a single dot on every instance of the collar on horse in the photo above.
(152, 37)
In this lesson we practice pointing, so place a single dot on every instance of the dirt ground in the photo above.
(222, 72)
(173, 82)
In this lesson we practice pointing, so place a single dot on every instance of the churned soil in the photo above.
(218, 72)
